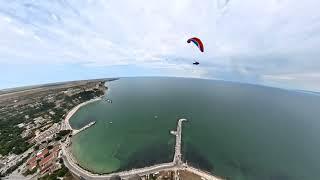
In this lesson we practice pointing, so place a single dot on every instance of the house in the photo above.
(32, 163)
(41, 154)
(47, 164)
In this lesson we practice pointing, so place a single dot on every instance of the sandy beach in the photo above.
(75, 109)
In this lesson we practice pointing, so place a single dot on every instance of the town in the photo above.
(31, 128)
(35, 136)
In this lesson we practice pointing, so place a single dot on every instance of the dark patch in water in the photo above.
(280, 177)
(250, 172)
(151, 155)
(194, 158)
(245, 169)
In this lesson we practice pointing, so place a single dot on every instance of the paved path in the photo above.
(76, 131)
(201, 173)
(177, 154)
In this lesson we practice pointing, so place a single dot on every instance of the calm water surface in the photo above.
(234, 130)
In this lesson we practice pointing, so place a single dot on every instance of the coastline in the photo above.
(72, 164)
(74, 110)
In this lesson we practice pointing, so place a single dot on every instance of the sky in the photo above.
(266, 42)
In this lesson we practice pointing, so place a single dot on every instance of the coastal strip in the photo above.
(67, 125)
(176, 165)
(200, 173)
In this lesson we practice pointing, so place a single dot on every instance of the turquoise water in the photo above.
(234, 130)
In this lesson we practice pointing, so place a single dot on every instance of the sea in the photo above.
(233, 130)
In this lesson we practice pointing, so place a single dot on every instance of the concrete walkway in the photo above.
(175, 165)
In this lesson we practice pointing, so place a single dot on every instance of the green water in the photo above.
(234, 130)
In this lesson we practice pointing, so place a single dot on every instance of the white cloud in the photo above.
(249, 40)
(305, 80)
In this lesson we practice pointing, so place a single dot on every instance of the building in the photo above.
(45, 159)
(21, 125)
(26, 133)
(71, 92)
(39, 120)
(48, 164)
(47, 133)
(41, 154)
(56, 149)
(32, 163)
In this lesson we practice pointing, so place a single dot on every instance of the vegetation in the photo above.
(58, 173)
(10, 139)
(13, 168)
(10, 133)
(68, 176)
(28, 172)
(58, 116)
(87, 95)
(61, 134)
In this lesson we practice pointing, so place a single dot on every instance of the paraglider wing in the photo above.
(222, 3)
(197, 42)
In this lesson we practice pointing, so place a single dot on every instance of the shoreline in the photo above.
(65, 147)
(73, 165)
(74, 110)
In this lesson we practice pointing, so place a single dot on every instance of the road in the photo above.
(175, 165)
(201, 173)
(16, 160)
(125, 174)
(66, 125)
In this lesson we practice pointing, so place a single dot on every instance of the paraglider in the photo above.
(199, 44)
(221, 4)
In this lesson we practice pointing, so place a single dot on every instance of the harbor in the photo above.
(176, 164)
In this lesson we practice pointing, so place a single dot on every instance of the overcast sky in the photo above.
(268, 42)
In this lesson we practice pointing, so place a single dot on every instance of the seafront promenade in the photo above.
(177, 164)
(73, 111)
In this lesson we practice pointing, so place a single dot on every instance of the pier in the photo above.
(177, 159)
(76, 131)
(175, 165)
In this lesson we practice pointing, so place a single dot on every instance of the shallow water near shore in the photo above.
(234, 130)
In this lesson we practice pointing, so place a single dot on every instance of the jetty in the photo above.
(76, 131)
(175, 165)
(66, 125)
(177, 153)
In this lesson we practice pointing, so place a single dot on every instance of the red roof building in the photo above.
(42, 153)
(34, 159)
(55, 149)
(32, 163)
(47, 160)
(46, 169)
